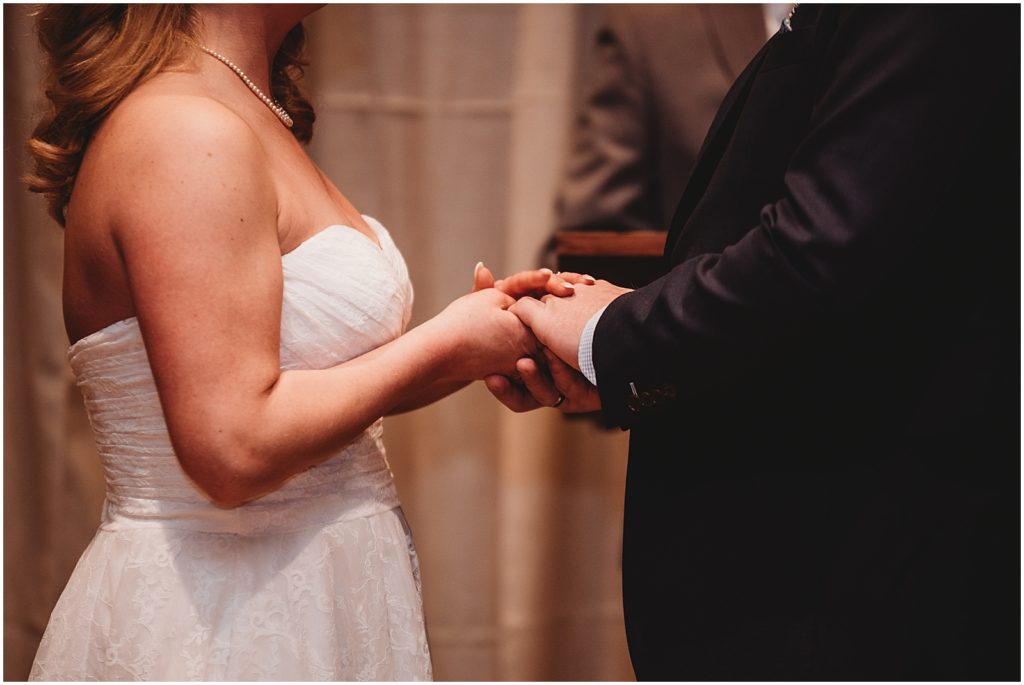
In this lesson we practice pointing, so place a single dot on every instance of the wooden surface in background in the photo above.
(611, 243)
(631, 259)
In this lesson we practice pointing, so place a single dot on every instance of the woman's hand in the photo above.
(528, 386)
(478, 336)
(475, 336)
(534, 283)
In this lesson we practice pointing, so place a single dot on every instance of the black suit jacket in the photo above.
(824, 390)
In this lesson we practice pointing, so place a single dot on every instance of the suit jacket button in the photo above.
(635, 401)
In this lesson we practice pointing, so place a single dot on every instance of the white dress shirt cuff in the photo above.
(585, 355)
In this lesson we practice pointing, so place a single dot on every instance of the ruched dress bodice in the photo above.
(343, 296)
(335, 527)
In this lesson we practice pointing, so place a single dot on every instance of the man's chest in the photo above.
(748, 151)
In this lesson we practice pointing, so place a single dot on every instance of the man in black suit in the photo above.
(824, 392)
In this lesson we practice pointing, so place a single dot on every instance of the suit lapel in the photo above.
(714, 145)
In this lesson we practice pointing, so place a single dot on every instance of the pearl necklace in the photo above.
(274, 105)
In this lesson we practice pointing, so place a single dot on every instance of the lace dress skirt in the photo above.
(279, 597)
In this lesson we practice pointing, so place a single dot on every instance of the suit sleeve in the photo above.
(903, 98)
(606, 179)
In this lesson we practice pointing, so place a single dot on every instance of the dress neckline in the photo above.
(370, 221)
(344, 230)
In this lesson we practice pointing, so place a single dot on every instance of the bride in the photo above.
(238, 332)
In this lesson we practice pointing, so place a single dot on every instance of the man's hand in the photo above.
(560, 386)
(558, 322)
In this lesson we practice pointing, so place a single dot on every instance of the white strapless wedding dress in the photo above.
(316, 581)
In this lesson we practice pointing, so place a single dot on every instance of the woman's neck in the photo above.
(248, 35)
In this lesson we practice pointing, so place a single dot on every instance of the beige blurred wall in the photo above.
(449, 123)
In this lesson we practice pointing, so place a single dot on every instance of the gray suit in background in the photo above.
(658, 76)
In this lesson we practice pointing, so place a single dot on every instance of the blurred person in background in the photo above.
(656, 79)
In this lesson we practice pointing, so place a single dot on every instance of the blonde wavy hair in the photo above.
(96, 54)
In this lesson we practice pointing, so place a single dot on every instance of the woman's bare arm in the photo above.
(194, 214)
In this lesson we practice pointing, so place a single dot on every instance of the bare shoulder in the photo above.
(173, 119)
(174, 151)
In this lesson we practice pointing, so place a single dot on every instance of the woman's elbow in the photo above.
(229, 475)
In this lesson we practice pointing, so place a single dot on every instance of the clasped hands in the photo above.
(553, 308)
